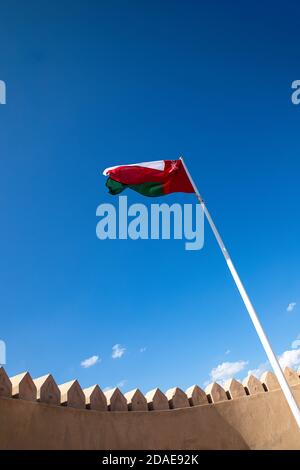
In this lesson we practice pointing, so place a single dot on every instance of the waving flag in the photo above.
(150, 178)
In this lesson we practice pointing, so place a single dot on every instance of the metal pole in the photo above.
(253, 315)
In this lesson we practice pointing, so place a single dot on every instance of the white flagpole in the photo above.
(253, 315)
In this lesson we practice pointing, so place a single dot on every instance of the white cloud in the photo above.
(90, 361)
(296, 344)
(291, 306)
(290, 358)
(142, 350)
(117, 351)
(121, 383)
(227, 352)
(263, 367)
(226, 370)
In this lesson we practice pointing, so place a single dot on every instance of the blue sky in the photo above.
(91, 84)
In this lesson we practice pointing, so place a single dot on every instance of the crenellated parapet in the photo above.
(39, 413)
(45, 390)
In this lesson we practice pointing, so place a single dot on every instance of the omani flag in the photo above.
(150, 178)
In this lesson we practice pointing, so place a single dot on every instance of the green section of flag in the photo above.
(146, 189)
(114, 187)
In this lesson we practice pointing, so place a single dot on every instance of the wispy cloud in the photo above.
(121, 383)
(227, 352)
(289, 358)
(263, 367)
(226, 370)
(143, 349)
(296, 344)
(291, 306)
(90, 361)
(117, 351)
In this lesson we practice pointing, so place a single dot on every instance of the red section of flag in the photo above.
(173, 177)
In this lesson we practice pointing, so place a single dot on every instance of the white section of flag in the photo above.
(156, 165)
